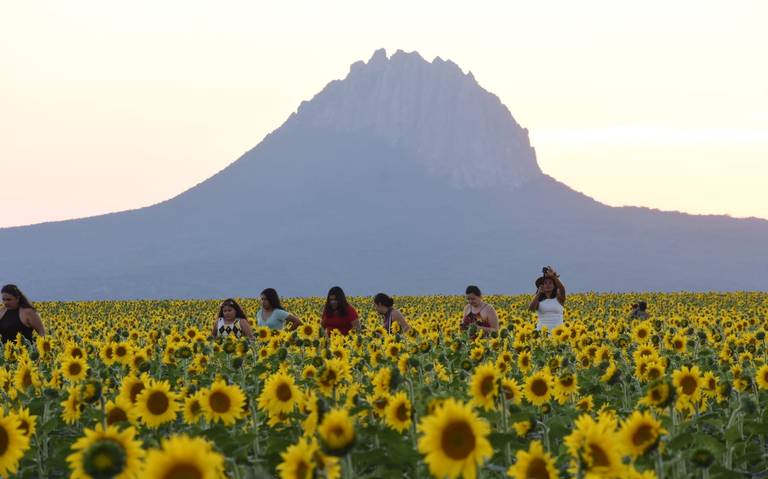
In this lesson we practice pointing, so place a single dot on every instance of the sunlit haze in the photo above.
(106, 106)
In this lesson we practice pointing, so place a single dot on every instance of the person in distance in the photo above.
(18, 316)
(231, 321)
(338, 315)
(384, 305)
(479, 313)
(549, 299)
(272, 315)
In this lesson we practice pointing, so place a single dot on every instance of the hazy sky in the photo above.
(108, 105)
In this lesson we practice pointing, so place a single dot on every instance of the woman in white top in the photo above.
(272, 315)
(231, 321)
(549, 299)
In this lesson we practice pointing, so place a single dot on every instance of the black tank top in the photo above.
(11, 325)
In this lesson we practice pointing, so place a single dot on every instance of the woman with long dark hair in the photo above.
(231, 321)
(272, 315)
(18, 316)
(479, 313)
(338, 315)
(549, 299)
(385, 307)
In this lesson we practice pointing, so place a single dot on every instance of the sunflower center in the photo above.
(688, 384)
(157, 403)
(486, 386)
(539, 387)
(194, 408)
(24, 426)
(643, 435)
(599, 457)
(116, 415)
(183, 471)
(121, 351)
(3, 441)
(642, 334)
(401, 412)
(76, 353)
(136, 390)
(458, 440)
(283, 392)
(537, 469)
(74, 369)
(567, 381)
(654, 373)
(220, 402)
(26, 380)
(104, 459)
(302, 470)
(655, 395)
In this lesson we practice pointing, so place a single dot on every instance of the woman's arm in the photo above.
(295, 322)
(560, 286)
(33, 321)
(404, 326)
(535, 302)
(356, 325)
(215, 331)
(245, 326)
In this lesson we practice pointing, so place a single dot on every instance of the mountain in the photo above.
(406, 177)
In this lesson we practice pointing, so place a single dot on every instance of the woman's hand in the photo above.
(551, 273)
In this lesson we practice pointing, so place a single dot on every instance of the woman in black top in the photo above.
(18, 316)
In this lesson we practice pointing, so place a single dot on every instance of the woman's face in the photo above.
(474, 300)
(229, 313)
(380, 308)
(548, 286)
(10, 301)
(333, 302)
(265, 302)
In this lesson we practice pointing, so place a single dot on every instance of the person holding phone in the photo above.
(549, 299)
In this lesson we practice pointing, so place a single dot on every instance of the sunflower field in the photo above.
(139, 389)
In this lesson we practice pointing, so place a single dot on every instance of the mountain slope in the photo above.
(405, 177)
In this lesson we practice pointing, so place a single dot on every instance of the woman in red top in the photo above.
(338, 314)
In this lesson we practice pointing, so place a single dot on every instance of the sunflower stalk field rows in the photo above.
(139, 389)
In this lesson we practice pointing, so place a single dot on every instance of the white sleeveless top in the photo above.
(550, 314)
(225, 329)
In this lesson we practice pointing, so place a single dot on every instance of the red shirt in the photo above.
(340, 323)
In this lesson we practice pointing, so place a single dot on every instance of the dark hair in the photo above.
(272, 297)
(383, 300)
(642, 305)
(472, 289)
(14, 291)
(539, 281)
(341, 298)
(239, 313)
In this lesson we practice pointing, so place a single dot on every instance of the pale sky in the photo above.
(108, 105)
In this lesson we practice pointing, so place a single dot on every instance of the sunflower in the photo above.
(157, 404)
(13, 443)
(334, 372)
(566, 385)
(181, 457)
(524, 362)
(538, 388)
(74, 369)
(106, 453)
(73, 406)
(280, 394)
(658, 395)
(307, 331)
(337, 432)
(222, 402)
(298, 460)
(688, 382)
(511, 391)
(309, 372)
(382, 381)
(454, 441)
(533, 464)
(26, 376)
(761, 377)
(483, 388)
(592, 445)
(585, 404)
(399, 412)
(193, 409)
(132, 386)
(27, 422)
(639, 433)
(118, 410)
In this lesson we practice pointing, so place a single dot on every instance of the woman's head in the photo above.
(382, 303)
(230, 310)
(474, 296)
(336, 301)
(13, 298)
(270, 300)
(547, 286)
